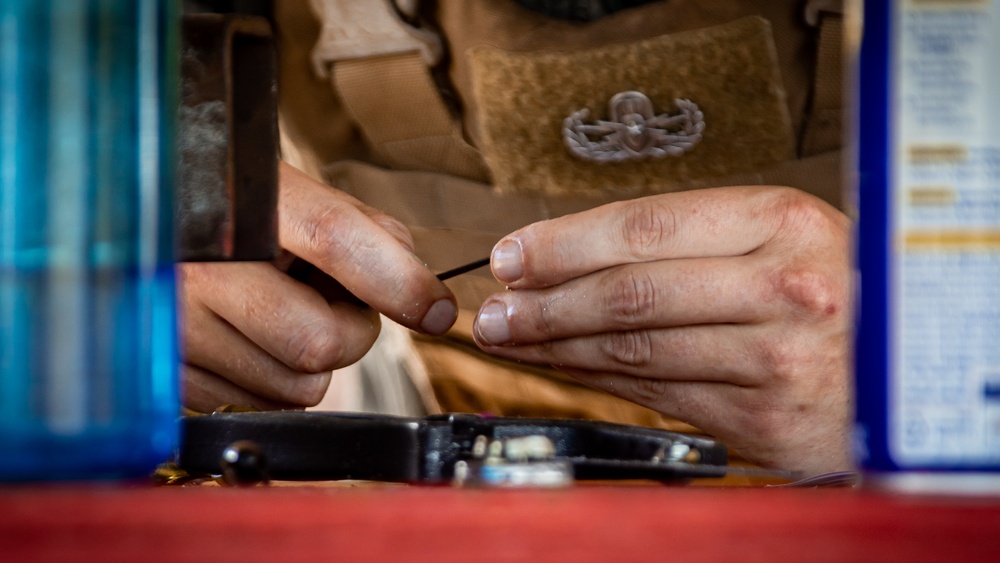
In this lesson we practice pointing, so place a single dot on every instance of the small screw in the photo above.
(243, 464)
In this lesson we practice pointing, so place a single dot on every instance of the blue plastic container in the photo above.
(928, 338)
(88, 345)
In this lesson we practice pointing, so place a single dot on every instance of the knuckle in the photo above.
(326, 236)
(632, 349)
(782, 359)
(314, 348)
(801, 213)
(816, 281)
(647, 228)
(648, 392)
(812, 291)
(631, 297)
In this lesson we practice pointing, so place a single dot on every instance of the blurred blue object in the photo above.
(88, 345)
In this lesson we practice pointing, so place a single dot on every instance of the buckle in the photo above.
(354, 29)
(815, 8)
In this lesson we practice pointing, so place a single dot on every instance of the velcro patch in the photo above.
(729, 73)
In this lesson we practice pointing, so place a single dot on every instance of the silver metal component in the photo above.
(678, 452)
(495, 451)
(479, 447)
(461, 473)
(633, 131)
(529, 448)
(522, 461)
(685, 453)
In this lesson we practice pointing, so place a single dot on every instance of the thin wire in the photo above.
(463, 269)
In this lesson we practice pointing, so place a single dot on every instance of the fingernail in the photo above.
(491, 325)
(506, 261)
(439, 317)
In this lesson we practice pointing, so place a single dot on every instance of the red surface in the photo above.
(444, 524)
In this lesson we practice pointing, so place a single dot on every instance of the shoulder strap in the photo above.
(380, 67)
(398, 107)
(823, 128)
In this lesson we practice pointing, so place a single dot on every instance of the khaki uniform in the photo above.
(455, 126)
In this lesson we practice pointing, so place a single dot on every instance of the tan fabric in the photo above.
(505, 25)
(314, 125)
(418, 132)
(824, 128)
(457, 216)
(730, 71)
(354, 30)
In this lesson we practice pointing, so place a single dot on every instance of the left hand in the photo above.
(268, 335)
(726, 308)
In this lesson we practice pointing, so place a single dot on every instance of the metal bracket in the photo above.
(228, 142)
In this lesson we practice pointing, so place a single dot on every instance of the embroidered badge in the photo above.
(633, 132)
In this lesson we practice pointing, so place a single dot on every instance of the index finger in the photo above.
(702, 223)
(363, 251)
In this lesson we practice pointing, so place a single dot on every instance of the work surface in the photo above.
(393, 523)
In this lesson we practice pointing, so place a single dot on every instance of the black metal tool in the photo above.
(464, 269)
(332, 446)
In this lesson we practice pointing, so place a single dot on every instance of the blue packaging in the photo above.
(88, 345)
(928, 196)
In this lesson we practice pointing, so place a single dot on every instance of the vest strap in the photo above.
(376, 61)
(420, 133)
(823, 129)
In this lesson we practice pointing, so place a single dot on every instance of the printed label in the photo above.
(945, 281)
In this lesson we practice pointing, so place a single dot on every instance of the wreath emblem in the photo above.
(633, 131)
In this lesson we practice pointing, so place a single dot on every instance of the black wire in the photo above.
(463, 269)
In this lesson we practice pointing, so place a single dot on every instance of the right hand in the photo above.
(727, 308)
(253, 335)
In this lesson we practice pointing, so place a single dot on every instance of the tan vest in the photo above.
(460, 135)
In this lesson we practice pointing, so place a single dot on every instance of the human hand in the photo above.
(254, 335)
(726, 308)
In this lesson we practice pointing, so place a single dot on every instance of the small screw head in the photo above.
(243, 464)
